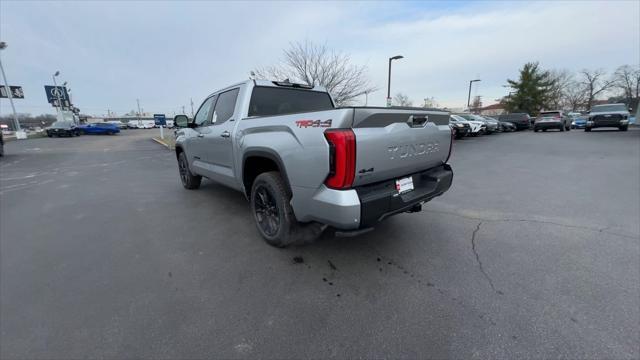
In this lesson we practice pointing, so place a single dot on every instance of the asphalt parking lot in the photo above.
(534, 252)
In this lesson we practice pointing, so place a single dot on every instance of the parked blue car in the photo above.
(99, 129)
(579, 123)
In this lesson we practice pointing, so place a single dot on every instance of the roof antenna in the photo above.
(252, 75)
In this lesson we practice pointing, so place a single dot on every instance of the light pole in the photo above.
(139, 113)
(3, 45)
(55, 84)
(397, 57)
(469, 97)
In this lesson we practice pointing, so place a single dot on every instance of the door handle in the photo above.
(225, 134)
(200, 135)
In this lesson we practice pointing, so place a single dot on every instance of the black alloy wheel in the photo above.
(267, 212)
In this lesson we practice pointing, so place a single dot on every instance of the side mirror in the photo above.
(181, 121)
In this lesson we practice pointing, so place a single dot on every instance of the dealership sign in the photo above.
(16, 92)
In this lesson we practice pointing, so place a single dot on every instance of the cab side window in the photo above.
(225, 106)
(203, 115)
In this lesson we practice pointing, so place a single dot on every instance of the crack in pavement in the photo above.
(594, 229)
(475, 252)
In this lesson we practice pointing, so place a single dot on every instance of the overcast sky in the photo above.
(165, 53)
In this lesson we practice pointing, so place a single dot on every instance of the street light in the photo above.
(59, 108)
(469, 97)
(3, 45)
(397, 57)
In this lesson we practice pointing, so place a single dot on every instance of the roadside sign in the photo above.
(160, 119)
(53, 92)
(16, 92)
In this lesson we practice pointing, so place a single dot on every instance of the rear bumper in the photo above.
(366, 205)
(548, 125)
(381, 200)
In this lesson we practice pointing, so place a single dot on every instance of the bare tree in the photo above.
(561, 80)
(430, 102)
(595, 83)
(627, 79)
(574, 96)
(476, 104)
(314, 64)
(401, 99)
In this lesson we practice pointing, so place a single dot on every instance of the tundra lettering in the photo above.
(404, 151)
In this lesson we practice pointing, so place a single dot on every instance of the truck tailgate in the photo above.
(391, 143)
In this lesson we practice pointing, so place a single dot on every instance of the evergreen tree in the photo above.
(532, 91)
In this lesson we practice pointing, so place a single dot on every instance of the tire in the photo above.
(562, 128)
(624, 128)
(535, 130)
(49, 135)
(587, 129)
(272, 211)
(189, 180)
(569, 128)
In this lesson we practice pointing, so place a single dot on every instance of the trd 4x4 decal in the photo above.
(313, 123)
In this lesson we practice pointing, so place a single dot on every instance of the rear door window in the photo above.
(225, 106)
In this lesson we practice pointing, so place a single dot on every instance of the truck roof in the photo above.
(273, 83)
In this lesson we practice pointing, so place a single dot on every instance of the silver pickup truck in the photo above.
(304, 164)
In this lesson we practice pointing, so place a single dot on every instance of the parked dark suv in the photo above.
(522, 121)
(1, 144)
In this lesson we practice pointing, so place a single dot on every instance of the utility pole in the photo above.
(59, 108)
(139, 113)
(3, 45)
(192, 108)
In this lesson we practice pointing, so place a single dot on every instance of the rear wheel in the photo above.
(624, 128)
(275, 220)
(562, 128)
(189, 180)
(587, 129)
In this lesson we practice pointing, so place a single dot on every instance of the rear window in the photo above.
(269, 101)
(549, 114)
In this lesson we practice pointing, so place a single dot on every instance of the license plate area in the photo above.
(404, 185)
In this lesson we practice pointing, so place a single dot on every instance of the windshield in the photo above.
(268, 101)
(609, 108)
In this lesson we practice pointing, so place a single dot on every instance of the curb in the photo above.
(161, 142)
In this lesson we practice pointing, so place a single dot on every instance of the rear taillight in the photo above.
(450, 147)
(342, 158)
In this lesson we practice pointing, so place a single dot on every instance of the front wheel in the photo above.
(189, 180)
(587, 129)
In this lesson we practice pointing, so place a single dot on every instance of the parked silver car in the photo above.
(556, 119)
